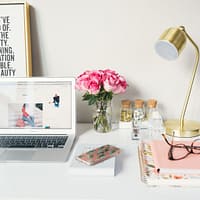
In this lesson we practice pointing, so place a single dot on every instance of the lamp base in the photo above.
(191, 128)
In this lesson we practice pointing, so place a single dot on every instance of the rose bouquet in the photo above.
(99, 87)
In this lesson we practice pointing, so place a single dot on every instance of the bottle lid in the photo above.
(126, 103)
(138, 103)
(152, 103)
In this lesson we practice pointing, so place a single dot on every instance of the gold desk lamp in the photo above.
(169, 46)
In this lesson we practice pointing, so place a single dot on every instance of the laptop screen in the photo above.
(36, 104)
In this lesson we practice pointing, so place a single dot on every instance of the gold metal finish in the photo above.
(191, 128)
(176, 37)
(27, 34)
(182, 127)
(28, 40)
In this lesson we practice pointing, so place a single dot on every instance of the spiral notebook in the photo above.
(150, 176)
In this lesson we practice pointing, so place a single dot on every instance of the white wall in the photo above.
(70, 36)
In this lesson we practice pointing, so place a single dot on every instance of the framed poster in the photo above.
(15, 45)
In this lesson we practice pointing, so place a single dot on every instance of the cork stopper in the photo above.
(126, 103)
(151, 103)
(138, 103)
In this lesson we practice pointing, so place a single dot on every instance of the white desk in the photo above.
(51, 181)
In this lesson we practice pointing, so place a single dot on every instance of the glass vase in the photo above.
(102, 117)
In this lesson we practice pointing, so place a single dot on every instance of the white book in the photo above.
(105, 168)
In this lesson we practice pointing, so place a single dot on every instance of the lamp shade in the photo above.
(171, 43)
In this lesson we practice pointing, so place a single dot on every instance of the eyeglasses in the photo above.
(180, 151)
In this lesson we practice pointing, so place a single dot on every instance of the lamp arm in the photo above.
(191, 82)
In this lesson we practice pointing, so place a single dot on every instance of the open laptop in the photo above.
(37, 119)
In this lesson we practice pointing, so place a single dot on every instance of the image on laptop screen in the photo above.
(45, 105)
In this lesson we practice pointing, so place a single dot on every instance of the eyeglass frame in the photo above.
(181, 145)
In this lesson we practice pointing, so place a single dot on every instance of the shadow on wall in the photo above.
(35, 45)
(83, 110)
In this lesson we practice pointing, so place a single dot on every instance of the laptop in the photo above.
(37, 119)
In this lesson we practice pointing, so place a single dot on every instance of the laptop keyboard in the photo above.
(32, 141)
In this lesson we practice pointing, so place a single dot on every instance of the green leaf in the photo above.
(101, 96)
(92, 100)
(86, 96)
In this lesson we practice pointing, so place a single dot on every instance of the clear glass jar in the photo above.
(102, 117)
(138, 111)
(138, 117)
(154, 117)
(126, 111)
(151, 108)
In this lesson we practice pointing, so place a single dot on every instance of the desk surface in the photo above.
(52, 181)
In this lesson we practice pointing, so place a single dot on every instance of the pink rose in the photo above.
(90, 81)
(113, 82)
(82, 81)
(95, 82)
(121, 86)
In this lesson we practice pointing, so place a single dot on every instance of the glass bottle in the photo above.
(138, 117)
(126, 111)
(154, 117)
(151, 108)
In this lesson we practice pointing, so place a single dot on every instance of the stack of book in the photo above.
(157, 169)
(105, 168)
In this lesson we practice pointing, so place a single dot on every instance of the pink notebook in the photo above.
(190, 164)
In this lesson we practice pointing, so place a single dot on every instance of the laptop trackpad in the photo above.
(17, 155)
